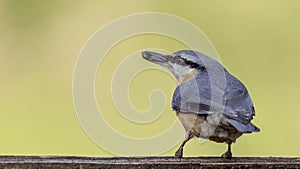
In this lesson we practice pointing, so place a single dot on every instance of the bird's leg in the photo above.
(227, 154)
(180, 149)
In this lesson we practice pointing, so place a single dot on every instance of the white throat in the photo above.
(180, 72)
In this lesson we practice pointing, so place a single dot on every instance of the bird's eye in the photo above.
(180, 61)
(177, 60)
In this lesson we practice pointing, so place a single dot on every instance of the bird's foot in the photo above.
(179, 152)
(227, 155)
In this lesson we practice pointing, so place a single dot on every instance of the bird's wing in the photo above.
(193, 96)
(239, 108)
(238, 104)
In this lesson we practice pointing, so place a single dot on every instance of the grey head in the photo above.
(183, 62)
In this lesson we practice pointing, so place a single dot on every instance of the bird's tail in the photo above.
(243, 128)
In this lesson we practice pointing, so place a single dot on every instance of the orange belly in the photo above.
(212, 126)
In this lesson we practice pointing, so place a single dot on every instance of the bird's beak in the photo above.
(157, 58)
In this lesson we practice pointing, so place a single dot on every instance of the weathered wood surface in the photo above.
(67, 162)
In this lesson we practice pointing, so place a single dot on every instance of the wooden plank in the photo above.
(68, 162)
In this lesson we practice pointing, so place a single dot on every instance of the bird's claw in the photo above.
(179, 152)
(227, 155)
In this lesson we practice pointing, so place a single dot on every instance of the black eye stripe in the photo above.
(179, 60)
(190, 63)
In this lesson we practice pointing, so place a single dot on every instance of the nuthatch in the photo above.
(209, 101)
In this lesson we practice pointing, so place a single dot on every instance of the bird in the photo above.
(210, 102)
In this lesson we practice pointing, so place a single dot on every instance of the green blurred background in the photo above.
(258, 41)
